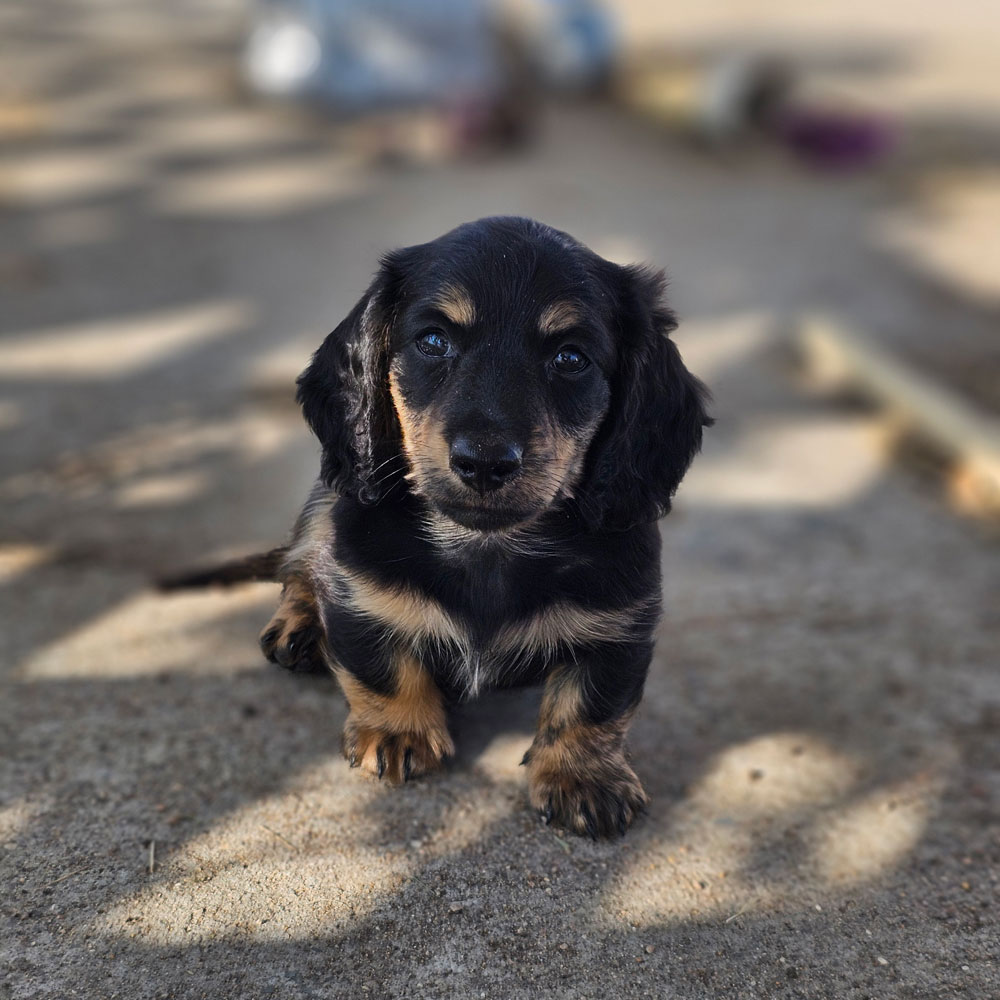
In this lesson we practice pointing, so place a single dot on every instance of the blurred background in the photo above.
(194, 192)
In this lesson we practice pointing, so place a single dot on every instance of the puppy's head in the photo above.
(504, 369)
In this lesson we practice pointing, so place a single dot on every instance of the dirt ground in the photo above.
(819, 733)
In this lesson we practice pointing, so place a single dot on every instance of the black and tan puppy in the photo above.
(503, 419)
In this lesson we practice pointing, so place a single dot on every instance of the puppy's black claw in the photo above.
(526, 759)
(548, 813)
(267, 643)
(589, 821)
(407, 764)
(380, 762)
(622, 819)
(352, 760)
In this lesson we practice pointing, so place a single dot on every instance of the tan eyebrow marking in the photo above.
(456, 303)
(557, 317)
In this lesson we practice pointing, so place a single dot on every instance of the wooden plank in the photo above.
(970, 438)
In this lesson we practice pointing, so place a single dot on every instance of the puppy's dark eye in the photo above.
(434, 344)
(570, 361)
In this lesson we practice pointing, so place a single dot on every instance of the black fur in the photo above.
(344, 399)
(654, 426)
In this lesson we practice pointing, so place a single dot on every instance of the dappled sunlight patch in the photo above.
(40, 178)
(149, 633)
(290, 866)
(876, 833)
(156, 453)
(813, 462)
(16, 815)
(779, 822)
(16, 560)
(468, 821)
(157, 491)
(501, 758)
(220, 130)
(275, 370)
(710, 348)
(125, 345)
(950, 231)
(781, 771)
(263, 188)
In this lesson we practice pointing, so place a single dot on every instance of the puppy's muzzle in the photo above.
(485, 465)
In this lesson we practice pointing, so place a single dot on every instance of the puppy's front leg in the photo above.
(292, 638)
(398, 734)
(578, 773)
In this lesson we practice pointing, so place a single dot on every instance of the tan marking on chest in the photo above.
(564, 623)
(404, 610)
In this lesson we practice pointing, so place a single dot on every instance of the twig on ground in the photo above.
(62, 878)
(280, 836)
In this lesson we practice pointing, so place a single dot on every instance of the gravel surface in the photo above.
(819, 734)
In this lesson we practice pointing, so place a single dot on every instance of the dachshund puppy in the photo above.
(503, 419)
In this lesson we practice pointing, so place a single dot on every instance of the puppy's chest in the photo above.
(493, 629)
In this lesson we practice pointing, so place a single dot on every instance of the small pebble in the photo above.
(881, 960)
(650, 949)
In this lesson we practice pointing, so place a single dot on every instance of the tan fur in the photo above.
(554, 469)
(457, 304)
(425, 447)
(564, 622)
(557, 317)
(568, 454)
(575, 767)
(402, 609)
(562, 703)
(387, 734)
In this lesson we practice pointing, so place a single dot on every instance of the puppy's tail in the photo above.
(262, 566)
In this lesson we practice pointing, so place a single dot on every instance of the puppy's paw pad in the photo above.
(597, 806)
(394, 757)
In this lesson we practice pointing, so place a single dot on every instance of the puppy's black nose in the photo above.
(485, 466)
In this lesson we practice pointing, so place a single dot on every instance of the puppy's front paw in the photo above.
(577, 788)
(394, 757)
(292, 637)
(293, 643)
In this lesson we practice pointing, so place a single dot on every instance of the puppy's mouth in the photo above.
(516, 504)
(486, 519)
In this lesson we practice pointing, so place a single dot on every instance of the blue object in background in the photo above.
(360, 55)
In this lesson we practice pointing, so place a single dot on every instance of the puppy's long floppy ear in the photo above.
(654, 425)
(344, 394)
